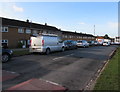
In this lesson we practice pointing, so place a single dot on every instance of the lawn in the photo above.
(110, 77)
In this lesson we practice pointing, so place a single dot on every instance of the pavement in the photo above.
(7, 75)
(72, 69)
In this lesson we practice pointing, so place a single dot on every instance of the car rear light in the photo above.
(42, 42)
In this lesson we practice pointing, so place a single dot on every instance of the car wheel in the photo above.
(63, 49)
(5, 58)
(47, 51)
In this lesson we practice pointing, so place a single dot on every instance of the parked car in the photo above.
(6, 55)
(91, 43)
(70, 44)
(82, 43)
(112, 43)
(117, 43)
(46, 43)
(106, 43)
(96, 43)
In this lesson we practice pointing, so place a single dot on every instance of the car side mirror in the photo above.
(60, 41)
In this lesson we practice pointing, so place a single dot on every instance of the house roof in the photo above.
(82, 34)
(100, 37)
(18, 23)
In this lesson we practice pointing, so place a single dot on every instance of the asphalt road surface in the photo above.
(72, 69)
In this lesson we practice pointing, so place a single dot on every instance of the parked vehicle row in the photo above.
(93, 43)
(49, 43)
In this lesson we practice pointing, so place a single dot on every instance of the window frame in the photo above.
(26, 31)
(4, 41)
(20, 30)
(3, 29)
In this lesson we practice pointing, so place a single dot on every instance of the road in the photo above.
(72, 69)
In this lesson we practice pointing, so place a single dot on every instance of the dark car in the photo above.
(91, 43)
(6, 55)
(70, 44)
(96, 43)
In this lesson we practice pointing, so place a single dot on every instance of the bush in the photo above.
(20, 45)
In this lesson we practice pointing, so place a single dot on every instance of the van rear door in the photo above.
(36, 42)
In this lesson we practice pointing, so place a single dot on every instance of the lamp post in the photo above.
(94, 30)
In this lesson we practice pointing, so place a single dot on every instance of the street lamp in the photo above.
(94, 30)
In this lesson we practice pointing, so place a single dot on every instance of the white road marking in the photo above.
(62, 57)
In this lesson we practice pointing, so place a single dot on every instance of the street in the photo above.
(72, 69)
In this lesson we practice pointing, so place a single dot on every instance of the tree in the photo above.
(106, 36)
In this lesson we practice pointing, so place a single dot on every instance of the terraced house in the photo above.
(67, 35)
(16, 33)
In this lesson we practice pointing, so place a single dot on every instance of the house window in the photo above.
(89, 37)
(5, 43)
(92, 37)
(4, 29)
(20, 30)
(84, 37)
(65, 36)
(80, 37)
(41, 31)
(35, 32)
(28, 31)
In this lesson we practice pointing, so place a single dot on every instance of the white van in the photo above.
(105, 43)
(46, 43)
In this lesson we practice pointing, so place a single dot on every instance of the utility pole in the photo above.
(94, 30)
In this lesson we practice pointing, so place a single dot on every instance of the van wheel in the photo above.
(63, 49)
(47, 51)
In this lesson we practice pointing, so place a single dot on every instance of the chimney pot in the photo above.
(27, 20)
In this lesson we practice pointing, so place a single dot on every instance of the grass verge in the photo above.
(109, 78)
(20, 53)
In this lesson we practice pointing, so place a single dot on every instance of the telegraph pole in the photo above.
(94, 30)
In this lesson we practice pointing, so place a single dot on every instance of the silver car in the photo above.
(82, 43)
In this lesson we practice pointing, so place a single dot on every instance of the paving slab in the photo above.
(38, 84)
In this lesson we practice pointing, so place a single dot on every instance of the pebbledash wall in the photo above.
(15, 32)
(67, 35)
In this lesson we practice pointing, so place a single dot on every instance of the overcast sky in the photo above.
(68, 16)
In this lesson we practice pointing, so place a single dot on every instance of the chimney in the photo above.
(45, 24)
(27, 20)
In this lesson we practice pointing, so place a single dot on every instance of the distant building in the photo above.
(100, 39)
(117, 40)
(112, 40)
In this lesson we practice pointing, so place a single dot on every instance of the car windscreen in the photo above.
(79, 41)
(89, 41)
(105, 42)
